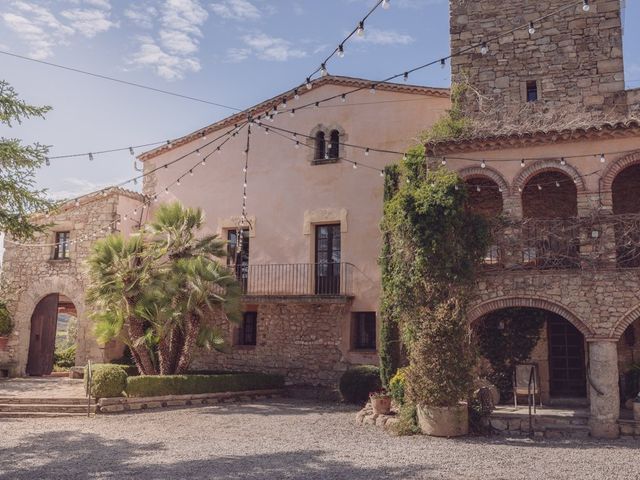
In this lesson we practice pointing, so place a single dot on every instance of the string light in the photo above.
(443, 63)
(522, 163)
(131, 151)
(386, 4)
(323, 70)
(539, 187)
(296, 95)
(563, 162)
(373, 88)
(483, 164)
(90, 157)
(355, 165)
(366, 152)
(484, 48)
(532, 28)
(444, 161)
(308, 83)
(47, 162)
(406, 76)
(585, 5)
(344, 97)
(341, 51)
(602, 158)
(382, 173)
(478, 189)
(360, 29)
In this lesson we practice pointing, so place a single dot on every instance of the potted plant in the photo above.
(381, 402)
(636, 408)
(6, 326)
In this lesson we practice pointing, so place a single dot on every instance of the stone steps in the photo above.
(19, 415)
(44, 400)
(43, 407)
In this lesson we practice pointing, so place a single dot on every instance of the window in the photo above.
(334, 145)
(532, 91)
(248, 329)
(320, 146)
(364, 330)
(238, 255)
(61, 249)
(327, 259)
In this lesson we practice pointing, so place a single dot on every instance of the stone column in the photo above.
(603, 388)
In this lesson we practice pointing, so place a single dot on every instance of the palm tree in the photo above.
(119, 273)
(199, 286)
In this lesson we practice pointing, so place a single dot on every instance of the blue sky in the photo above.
(236, 52)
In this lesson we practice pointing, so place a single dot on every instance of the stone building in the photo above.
(45, 277)
(311, 239)
(567, 242)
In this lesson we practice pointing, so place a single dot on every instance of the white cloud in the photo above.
(173, 52)
(384, 37)
(238, 54)
(75, 187)
(271, 48)
(142, 15)
(236, 10)
(41, 30)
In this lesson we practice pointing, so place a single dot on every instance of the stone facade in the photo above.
(298, 338)
(29, 273)
(573, 57)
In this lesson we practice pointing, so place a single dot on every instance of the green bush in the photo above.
(108, 380)
(160, 385)
(6, 326)
(65, 358)
(358, 382)
(396, 386)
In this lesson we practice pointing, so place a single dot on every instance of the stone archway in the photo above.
(481, 309)
(32, 295)
(611, 172)
(542, 166)
(622, 324)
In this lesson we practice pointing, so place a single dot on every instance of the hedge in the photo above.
(160, 385)
(107, 381)
(357, 382)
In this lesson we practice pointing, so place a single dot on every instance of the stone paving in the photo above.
(42, 387)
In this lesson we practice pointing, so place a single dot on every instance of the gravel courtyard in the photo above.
(284, 439)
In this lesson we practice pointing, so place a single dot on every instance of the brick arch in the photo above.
(622, 324)
(547, 166)
(489, 306)
(611, 172)
(488, 172)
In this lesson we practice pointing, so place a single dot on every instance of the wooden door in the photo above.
(327, 259)
(43, 336)
(567, 371)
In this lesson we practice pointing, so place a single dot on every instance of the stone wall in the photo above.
(575, 56)
(295, 338)
(29, 273)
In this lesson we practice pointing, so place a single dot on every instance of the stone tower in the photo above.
(570, 64)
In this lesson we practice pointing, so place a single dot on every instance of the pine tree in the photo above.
(19, 196)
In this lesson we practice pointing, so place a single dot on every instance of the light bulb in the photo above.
(204, 162)
(355, 165)
(198, 152)
(563, 162)
(522, 163)
(317, 104)
(266, 131)
(366, 152)
(382, 173)
(131, 151)
(443, 63)
(323, 70)
(585, 5)
(557, 184)
(484, 49)
(191, 173)
(386, 4)
(360, 30)
(478, 188)
(603, 159)
(406, 76)
(539, 187)
(293, 112)
(532, 29)
(90, 157)
(444, 161)
(297, 145)
(178, 182)
(483, 164)
(372, 89)
(341, 51)
(308, 83)
(456, 187)
(344, 98)
(47, 162)
(296, 95)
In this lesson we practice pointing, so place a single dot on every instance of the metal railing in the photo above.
(89, 386)
(296, 279)
(598, 241)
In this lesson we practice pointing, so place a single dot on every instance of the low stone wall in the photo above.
(123, 404)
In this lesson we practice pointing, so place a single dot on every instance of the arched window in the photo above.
(320, 146)
(334, 145)
(485, 198)
(625, 190)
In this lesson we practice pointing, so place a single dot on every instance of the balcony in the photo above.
(598, 241)
(326, 280)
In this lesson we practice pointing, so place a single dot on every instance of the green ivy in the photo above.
(506, 338)
(432, 247)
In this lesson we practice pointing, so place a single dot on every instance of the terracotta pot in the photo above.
(636, 411)
(381, 405)
(4, 341)
(444, 421)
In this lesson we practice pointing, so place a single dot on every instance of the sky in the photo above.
(233, 52)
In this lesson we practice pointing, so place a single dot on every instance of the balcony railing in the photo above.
(296, 279)
(599, 241)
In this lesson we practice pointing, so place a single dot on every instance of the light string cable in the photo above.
(339, 50)
(483, 45)
(201, 162)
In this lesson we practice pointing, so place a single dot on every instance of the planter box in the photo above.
(444, 421)
(381, 405)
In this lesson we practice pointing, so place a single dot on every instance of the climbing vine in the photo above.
(432, 246)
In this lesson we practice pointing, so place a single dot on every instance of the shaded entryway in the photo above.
(508, 337)
(44, 325)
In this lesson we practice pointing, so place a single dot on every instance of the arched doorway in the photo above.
(508, 337)
(624, 191)
(52, 325)
(551, 237)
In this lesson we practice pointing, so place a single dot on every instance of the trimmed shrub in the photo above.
(356, 383)
(108, 380)
(160, 385)
(65, 358)
(396, 386)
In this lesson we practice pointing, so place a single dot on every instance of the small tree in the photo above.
(19, 197)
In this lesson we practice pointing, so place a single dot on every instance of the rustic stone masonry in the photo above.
(297, 338)
(574, 58)
(29, 273)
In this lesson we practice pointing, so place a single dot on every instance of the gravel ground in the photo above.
(284, 439)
